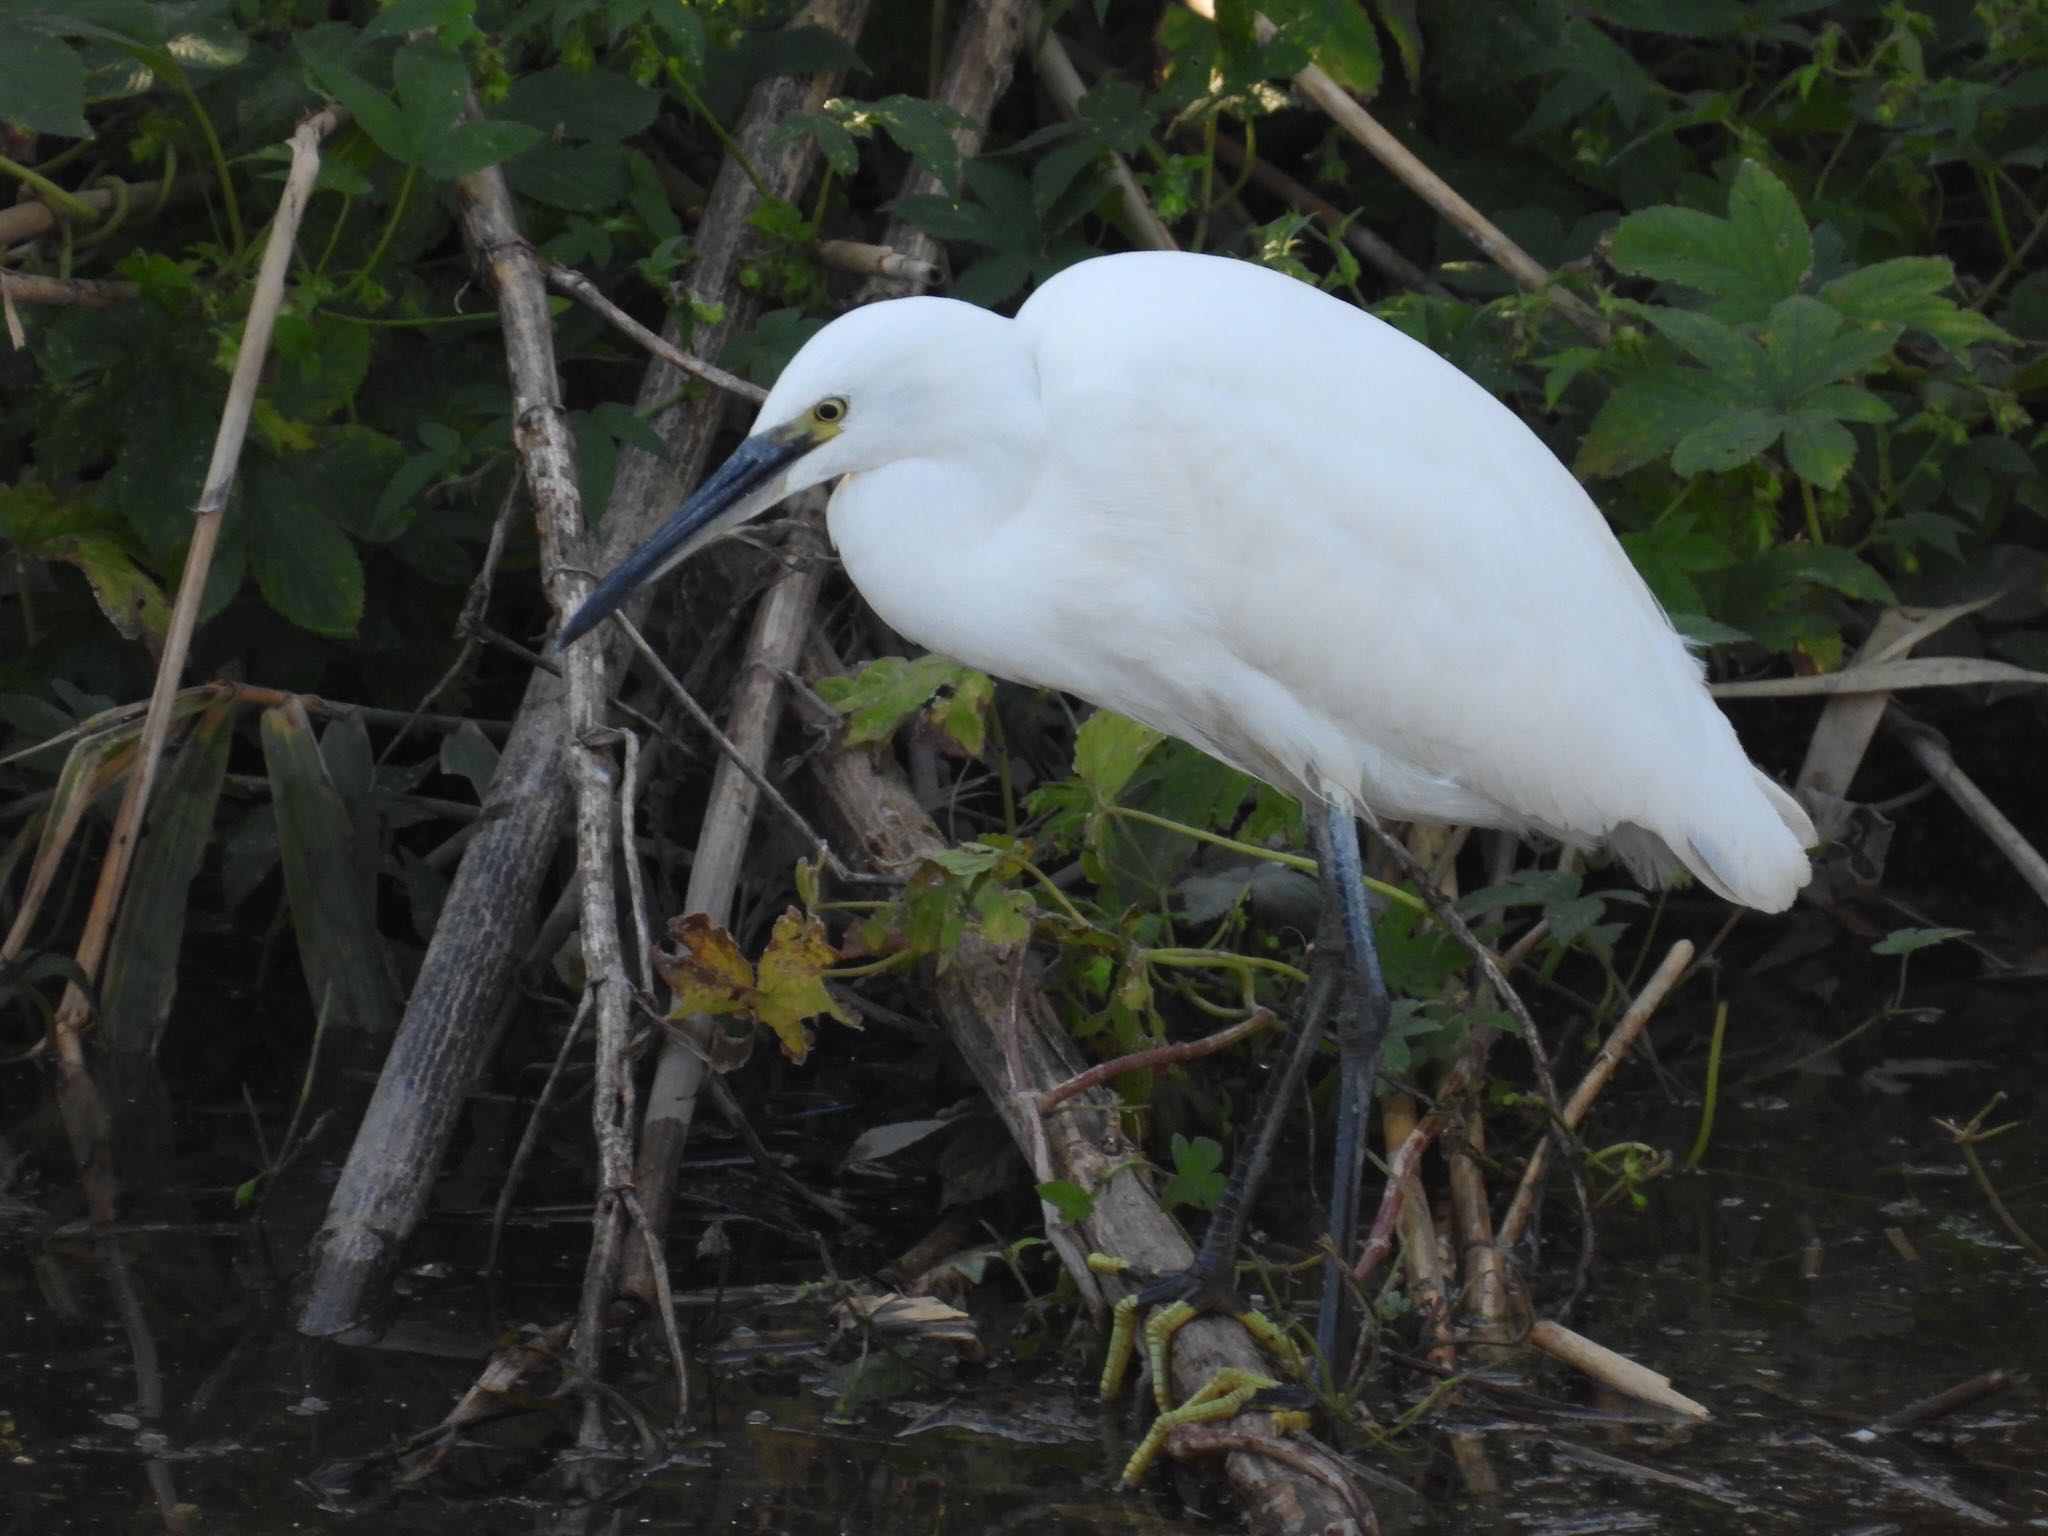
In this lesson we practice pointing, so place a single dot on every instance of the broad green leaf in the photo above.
(1108, 749)
(1644, 418)
(1849, 402)
(1903, 941)
(596, 105)
(376, 113)
(42, 82)
(468, 754)
(924, 130)
(1727, 441)
(1196, 1179)
(132, 601)
(1745, 263)
(1833, 566)
(467, 148)
(889, 690)
(1808, 343)
(1074, 1204)
(339, 947)
(1725, 350)
(320, 363)
(1819, 448)
(581, 178)
(142, 964)
(1907, 292)
(308, 571)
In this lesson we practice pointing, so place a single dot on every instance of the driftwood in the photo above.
(1001, 1023)
(485, 924)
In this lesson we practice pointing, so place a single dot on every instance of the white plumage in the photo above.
(1217, 500)
(1212, 498)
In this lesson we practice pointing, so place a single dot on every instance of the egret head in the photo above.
(901, 379)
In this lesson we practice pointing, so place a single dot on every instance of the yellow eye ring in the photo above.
(830, 411)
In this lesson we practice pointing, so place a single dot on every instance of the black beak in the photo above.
(718, 502)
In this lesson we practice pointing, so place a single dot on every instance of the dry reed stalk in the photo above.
(1620, 1040)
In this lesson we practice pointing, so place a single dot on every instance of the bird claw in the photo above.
(1176, 1300)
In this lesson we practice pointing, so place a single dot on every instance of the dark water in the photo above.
(1766, 1285)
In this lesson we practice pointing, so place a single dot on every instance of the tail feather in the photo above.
(1753, 854)
(1748, 848)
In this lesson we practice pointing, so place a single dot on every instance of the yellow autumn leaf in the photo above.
(706, 971)
(792, 984)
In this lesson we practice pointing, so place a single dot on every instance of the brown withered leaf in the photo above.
(706, 972)
(792, 984)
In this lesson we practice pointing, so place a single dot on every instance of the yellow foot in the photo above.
(1223, 1396)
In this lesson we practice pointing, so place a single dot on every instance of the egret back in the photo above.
(1267, 522)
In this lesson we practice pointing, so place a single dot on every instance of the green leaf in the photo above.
(1807, 344)
(1727, 441)
(1819, 448)
(1196, 1180)
(888, 691)
(596, 105)
(376, 113)
(1725, 350)
(1108, 749)
(132, 601)
(1907, 292)
(581, 178)
(1903, 941)
(42, 83)
(308, 571)
(1074, 1204)
(1644, 418)
(924, 130)
(320, 363)
(1832, 566)
(467, 148)
(340, 950)
(1746, 262)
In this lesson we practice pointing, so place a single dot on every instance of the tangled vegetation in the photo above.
(1792, 331)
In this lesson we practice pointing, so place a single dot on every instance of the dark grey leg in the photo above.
(1361, 1023)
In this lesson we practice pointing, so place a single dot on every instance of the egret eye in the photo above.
(830, 411)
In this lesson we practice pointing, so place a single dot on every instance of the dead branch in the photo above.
(780, 623)
(584, 292)
(85, 292)
(1932, 754)
(30, 221)
(485, 925)
(1620, 1040)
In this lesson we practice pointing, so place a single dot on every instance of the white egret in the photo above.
(1221, 502)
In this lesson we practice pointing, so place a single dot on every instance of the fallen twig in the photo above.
(1945, 1402)
(1611, 1368)
(879, 261)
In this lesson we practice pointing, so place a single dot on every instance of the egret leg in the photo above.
(1360, 1025)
